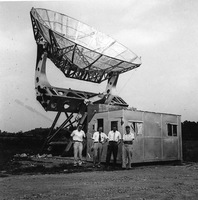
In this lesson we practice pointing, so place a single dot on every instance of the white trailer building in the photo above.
(157, 135)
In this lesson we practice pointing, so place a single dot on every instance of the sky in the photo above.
(163, 33)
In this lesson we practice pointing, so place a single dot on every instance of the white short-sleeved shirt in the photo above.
(128, 137)
(96, 136)
(78, 135)
(114, 136)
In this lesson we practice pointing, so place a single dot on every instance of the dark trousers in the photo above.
(112, 148)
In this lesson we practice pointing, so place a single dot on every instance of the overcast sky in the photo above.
(164, 33)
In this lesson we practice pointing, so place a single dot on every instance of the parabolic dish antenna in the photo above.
(79, 50)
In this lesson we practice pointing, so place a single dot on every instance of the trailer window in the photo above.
(100, 123)
(114, 123)
(172, 129)
(136, 127)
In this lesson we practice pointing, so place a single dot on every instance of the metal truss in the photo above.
(66, 57)
(71, 102)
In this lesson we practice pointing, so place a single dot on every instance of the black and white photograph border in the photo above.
(98, 63)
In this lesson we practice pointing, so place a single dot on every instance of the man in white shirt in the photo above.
(128, 138)
(99, 138)
(78, 136)
(114, 138)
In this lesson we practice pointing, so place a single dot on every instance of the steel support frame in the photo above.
(65, 124)
(53, 51)
(111, 85)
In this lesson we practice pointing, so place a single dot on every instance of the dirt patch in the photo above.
(32, 165)
(56, 178)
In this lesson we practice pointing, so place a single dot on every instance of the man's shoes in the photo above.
(98, 166)
(93, 166)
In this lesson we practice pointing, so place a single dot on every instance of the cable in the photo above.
(126, 82)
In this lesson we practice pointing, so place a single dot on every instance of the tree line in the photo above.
(189, 132)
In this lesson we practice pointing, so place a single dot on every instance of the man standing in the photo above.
(114, 138)
(99, 138)
(128, 138)
(78, 136)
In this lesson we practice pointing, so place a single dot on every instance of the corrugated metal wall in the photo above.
(152, 144)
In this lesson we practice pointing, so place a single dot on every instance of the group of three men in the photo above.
(99, 139)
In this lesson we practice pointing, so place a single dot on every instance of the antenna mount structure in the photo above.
(80, 52)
